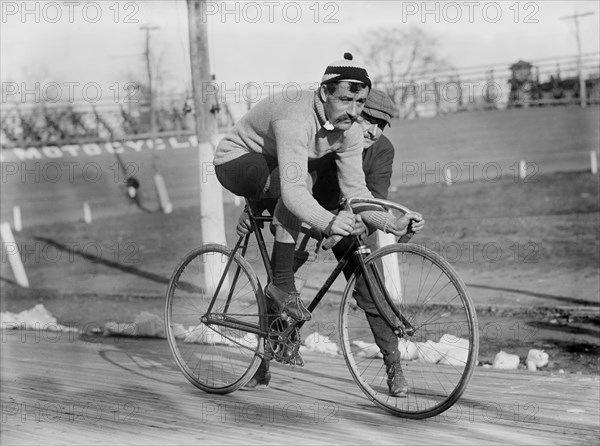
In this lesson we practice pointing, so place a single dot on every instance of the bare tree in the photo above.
(397, 57)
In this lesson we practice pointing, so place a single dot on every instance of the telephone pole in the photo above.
(148, 28)
(212, 221)
(582, 92)
(159, 181)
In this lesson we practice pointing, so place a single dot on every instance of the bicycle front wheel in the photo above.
(439, 357)
(213, 317)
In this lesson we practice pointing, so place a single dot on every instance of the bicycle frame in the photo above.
(372, 276)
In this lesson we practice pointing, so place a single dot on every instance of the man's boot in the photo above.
(289, 303)
(396, 381)
(262, 377)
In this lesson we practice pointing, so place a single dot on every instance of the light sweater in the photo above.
(293, 132)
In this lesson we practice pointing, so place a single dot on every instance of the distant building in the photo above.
(527, 90)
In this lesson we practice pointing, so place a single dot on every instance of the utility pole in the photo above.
(148, 28)
(582, 92)
(159, 181)
(212, 222)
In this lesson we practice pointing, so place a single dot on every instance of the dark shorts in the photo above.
(247, 175)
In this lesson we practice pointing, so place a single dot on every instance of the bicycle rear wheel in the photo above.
(216, 333)
(439, 358)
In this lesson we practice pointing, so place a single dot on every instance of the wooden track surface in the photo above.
(61, 389)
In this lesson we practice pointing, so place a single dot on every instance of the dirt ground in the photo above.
(529, 253)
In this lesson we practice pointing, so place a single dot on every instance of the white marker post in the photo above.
(163, 195)
(12, 252)
(391, 267)
(87, 212)
(522, 169)
(17, 219)
(448, 177)
(594, 161)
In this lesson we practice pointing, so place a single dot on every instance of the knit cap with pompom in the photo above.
(346, 70)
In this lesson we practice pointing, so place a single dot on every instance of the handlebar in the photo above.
(332, 240)
(377, 201)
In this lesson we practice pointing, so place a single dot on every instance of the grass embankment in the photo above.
(540, 229)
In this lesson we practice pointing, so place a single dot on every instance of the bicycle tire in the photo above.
(215, 358)
(438, 360)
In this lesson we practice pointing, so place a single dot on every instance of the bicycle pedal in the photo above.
(297, 361)
(281, 360)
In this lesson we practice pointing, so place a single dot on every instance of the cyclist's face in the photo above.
(343, 107)
(372, 129)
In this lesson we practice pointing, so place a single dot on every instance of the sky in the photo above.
(80, 44)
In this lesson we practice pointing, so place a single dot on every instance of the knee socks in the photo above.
(282, 262)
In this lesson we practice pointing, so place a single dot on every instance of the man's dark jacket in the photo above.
(377, 165)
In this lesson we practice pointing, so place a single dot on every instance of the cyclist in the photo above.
(266, 155)
(378, 157)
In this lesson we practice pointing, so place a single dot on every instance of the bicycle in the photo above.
(219, 328)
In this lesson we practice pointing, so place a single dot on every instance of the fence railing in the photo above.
(548, 83)
(42, 126)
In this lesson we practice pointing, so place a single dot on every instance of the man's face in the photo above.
(372, 129)
(344, 106)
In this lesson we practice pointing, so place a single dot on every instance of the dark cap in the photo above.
(379, 105)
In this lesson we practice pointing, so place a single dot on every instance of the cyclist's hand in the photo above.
(400, 226)
(417, 223)
(342, 224)
(244, 226)
(359, 226)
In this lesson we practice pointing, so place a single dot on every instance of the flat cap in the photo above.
(379, 105)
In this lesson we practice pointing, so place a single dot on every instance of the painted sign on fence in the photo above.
(98, 148)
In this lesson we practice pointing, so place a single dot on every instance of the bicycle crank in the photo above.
(284, 342)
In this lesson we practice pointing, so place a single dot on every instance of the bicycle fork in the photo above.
(375, 282)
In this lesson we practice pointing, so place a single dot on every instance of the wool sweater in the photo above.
(295, 132)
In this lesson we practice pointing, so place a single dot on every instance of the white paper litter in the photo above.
(455, 350)
(429, 351)
(505, 361)
(318, 343)
(408, 350)
(451, 350)
(366, 350)
(148, 324)
(535, 359)
(37, 318)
